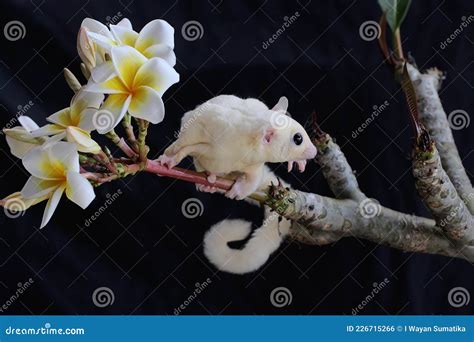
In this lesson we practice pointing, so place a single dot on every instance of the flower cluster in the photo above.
(127, 74)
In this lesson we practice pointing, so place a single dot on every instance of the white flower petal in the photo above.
(123, 35)
(83, 140)
(79, 190)
(111, 86)
(16, 202)
(52, 205)
(103, 72)
(102, 41)
(82, 100)
(36, 187)
(61, 117)
(95, 26)
(65, 154)
(49, 129)
(54, 139)
(20, 141)
(155, 32)
(111, 112)
(37, 163)
(125, 23)
(27, 123)
(147, 104)
(157, 74)
(161, 51)
(87, 119)
(127, 61)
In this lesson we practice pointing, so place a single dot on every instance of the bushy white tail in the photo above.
(263, 242)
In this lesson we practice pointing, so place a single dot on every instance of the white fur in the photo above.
(264, 241)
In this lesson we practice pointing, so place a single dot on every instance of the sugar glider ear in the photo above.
(282, 105)
(269, 134)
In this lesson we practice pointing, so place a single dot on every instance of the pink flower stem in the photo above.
(153, 166)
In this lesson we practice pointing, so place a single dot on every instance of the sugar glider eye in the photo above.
(298, 138)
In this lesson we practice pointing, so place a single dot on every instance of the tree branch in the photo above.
(440, 196)
(333, 217)
(435, 120)
(336, 170)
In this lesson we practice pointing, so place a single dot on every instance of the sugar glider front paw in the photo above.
(168, 161)
(206, 188)
(240, 189)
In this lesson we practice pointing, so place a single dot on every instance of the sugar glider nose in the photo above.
(310, 152)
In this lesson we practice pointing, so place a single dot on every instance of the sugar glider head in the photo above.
(285, 140)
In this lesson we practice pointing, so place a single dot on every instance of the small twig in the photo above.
(128, 127)
(141, 141)
(121, 143)
(105, 160)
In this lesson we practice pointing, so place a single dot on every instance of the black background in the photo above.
(143, 248)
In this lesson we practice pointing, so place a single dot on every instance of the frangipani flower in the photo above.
(55, 169)
(16, 203)
(75, 122)
(19, 138)
(137, 86)
(156, 39)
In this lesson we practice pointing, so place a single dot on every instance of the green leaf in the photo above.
(396, 11)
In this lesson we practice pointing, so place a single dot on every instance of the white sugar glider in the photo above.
(226, 136)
